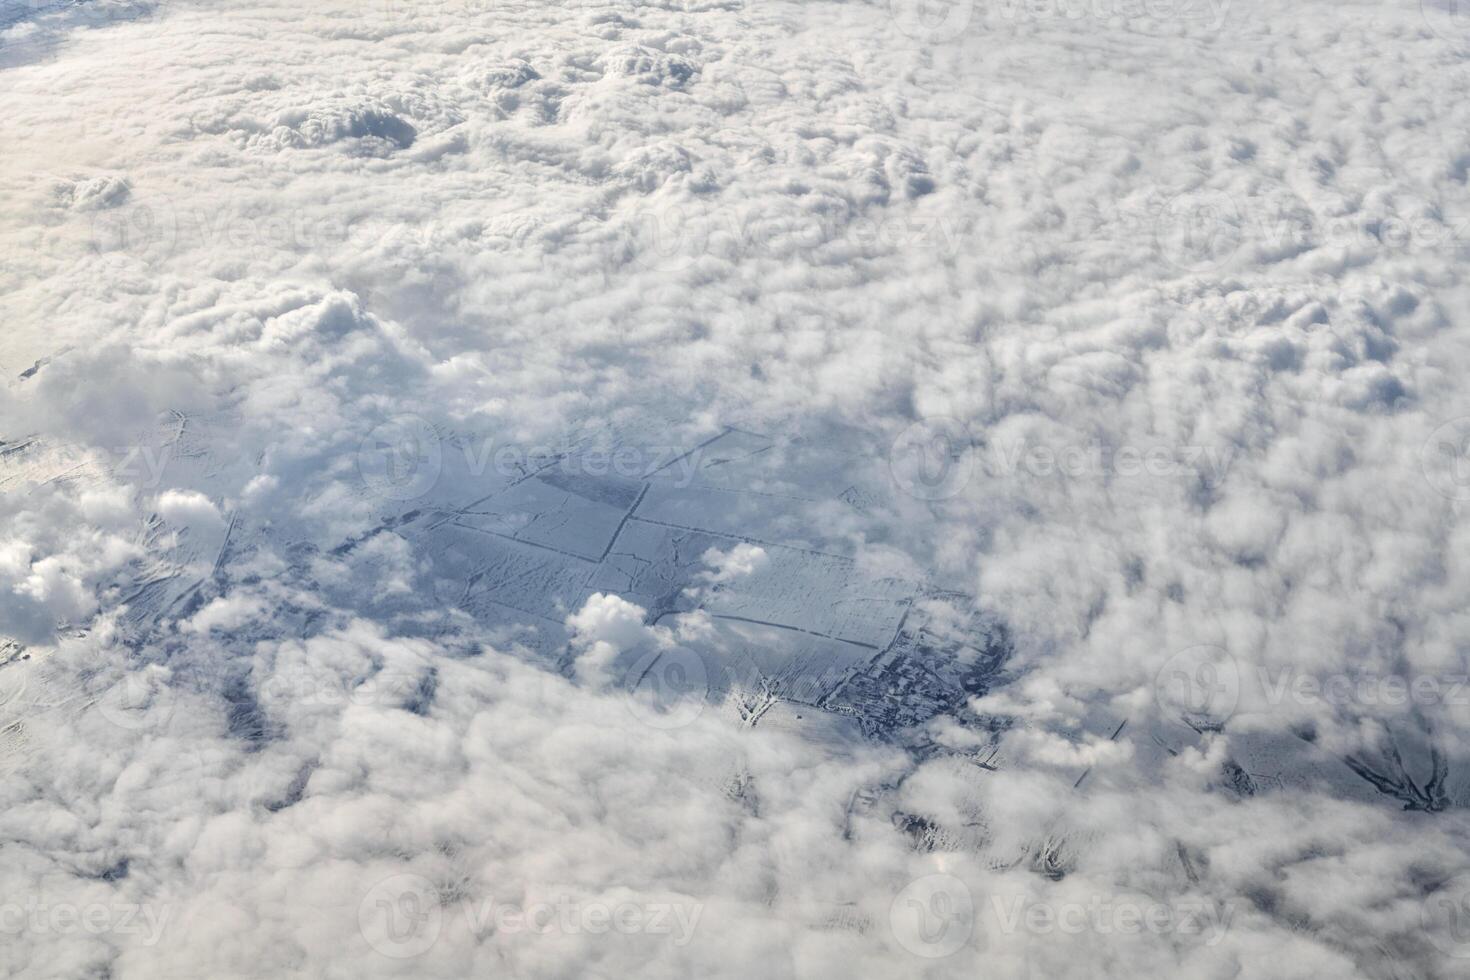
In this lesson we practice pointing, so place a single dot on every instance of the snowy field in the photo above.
(734, 488)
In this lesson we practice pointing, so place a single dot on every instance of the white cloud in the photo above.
(740, 561)
(187, 507)
(604, 627)
(225, 613)
(332, 292)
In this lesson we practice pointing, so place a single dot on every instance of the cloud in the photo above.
(188, 507)
(226, 613)
(1028, 493)
(604, 627)
(742, 560)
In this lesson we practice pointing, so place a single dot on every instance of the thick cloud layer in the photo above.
(1105, 360)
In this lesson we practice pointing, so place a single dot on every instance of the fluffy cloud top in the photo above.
(878, 491)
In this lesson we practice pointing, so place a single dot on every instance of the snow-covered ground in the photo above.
(734, 488)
